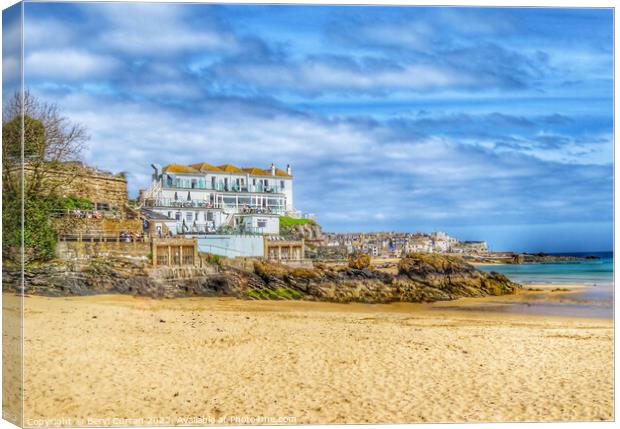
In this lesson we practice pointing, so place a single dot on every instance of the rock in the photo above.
(310, 231)
(359, 260)
(420, 278)
(431, 277)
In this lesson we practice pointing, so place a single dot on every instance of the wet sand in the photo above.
(91, 360)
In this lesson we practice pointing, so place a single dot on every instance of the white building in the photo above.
(202, 198)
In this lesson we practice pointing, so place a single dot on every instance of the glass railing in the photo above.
(169, 202)
(221, 187)
(242, 209)
(202, 229)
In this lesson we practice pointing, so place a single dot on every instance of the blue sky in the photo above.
(492, 124)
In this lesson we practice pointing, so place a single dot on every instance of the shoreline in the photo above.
(531, 294)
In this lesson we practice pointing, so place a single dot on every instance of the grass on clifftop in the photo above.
(287, 221)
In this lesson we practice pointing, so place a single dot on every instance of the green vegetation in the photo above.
(48, 141)
(212, 258)
(39, 234)
(72, 203)
(34, 137)
(275, 294)
(287, 223)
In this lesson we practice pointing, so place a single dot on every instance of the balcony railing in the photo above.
(221, 187)
(241, 208)
(209, 229)
(170, 202)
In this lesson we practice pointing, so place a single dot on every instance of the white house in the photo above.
(203, 198)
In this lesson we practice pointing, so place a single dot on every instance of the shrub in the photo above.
(212, 258)
(73, 202)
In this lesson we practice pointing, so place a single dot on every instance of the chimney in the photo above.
(273, 169)
(288, 169)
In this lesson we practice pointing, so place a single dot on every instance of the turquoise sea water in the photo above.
(595, 301)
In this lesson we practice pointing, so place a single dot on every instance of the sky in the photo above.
(488, 123)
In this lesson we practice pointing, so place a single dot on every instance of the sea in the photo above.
(594, 301)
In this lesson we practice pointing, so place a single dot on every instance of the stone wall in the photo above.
(87, 182)
(99, 188)
(82, 250)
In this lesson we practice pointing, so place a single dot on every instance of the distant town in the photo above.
(398, 244)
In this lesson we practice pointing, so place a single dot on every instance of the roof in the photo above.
(281, 173)
(153, 215)
(179, 168)
(256, 171)
(203, 166)
(224, 168)
(228, 168)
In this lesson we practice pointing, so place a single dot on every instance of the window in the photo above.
(212, 182)
(177, 215)
(282, 184)
(189, 216)
(262, 223)
(102, 206)
(210, 216)
(194, 183)
(170, 215)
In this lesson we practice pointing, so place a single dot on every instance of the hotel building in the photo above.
(203, 198)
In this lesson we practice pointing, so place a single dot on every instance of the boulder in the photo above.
(359, 260)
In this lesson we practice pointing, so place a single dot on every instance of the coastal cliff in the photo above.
(420, 278)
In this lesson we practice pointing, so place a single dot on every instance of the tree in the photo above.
(50, 140)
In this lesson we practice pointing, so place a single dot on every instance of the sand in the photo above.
(119, 360)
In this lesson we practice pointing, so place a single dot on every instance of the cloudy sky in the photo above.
(490, 124)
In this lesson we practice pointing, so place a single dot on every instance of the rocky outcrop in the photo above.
(310, 231)
(543, 258)
(431, 277)
(123, 276)
(420, 278)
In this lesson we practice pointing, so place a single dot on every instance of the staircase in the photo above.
(152, 193)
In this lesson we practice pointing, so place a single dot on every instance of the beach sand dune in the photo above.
(204, 360)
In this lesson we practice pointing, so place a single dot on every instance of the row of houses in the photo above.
(396, 244)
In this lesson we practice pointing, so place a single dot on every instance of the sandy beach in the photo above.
(104, 359)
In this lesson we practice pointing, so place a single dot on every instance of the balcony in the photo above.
(170, 202)
(207, 229)
(241, 208)
(221, 187)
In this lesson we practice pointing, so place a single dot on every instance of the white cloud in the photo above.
(323, 76)
(68, 64)
(141, 29)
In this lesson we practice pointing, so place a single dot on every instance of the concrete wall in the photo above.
(232, 246)
(272, 223)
